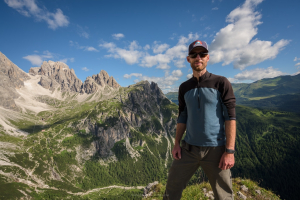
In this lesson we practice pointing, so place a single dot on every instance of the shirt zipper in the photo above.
(198, 94)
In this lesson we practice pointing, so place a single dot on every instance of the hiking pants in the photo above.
(192, 157)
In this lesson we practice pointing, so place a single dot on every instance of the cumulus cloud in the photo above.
(146, 47)
(257, 74)
(85, 69)
(131, 54)
(29, 8)
(132, 74)
(235, 44)
(118, 36)
(295, 59)
(37, 60)
(90, 49)
(163, 55)
(159, 48)
(34, 59)
(85, 48)
(189, 76)
(297, 64)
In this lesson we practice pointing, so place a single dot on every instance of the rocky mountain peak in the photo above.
(55, 74)
(103, 79)
(91, 84)
(15, 74)
(11, 78)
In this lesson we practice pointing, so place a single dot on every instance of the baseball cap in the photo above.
(198, 43)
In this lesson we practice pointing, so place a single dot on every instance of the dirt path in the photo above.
(108, 187)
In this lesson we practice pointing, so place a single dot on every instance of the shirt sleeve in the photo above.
(182, 116)
(228, 99)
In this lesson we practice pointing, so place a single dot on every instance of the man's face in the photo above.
(198, 63)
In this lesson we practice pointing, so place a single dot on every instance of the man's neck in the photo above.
(198, 74)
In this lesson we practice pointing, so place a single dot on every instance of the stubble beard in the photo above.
(200, 68)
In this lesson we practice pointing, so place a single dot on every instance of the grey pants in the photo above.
(192, 157)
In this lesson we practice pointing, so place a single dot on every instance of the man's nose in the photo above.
(198, 56)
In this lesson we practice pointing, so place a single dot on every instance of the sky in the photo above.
(136, 40)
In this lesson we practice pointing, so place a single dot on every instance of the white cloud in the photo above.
(130, 56)
(189, 76)
(85, 69)
(159, 48)
(215, 8)
(132, 74)
(233, 80)
(235, 44)
(37, 60)
(297, 64)
(90, 49)
(146, 47)
(29, 8)
(295, 59)
(34, 59)
(298, 72)
(135, 54)
(118, 36)
(257, 74)
(177, 73)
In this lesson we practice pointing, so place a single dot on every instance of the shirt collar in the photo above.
(201, 78)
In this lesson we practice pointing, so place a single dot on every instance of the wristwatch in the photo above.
(229, 151)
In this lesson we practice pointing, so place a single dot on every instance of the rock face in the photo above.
(11, 77)
(92, 84)
(60, 73)
(55, 74)
(142, 106)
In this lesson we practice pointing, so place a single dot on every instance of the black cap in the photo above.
(198, 43)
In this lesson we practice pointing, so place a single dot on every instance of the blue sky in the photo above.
(148, 39)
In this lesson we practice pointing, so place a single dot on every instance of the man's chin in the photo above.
(198, 69)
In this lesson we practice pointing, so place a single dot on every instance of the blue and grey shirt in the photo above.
(204, 106)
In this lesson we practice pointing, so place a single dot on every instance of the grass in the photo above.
(8, 138)
(195, 191)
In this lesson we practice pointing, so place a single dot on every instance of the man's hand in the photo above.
(176, 152)
(227, 161)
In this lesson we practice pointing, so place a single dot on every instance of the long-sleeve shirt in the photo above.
(204, 106)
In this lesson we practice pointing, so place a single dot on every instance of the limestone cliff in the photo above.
(57, 72)
(11, 77)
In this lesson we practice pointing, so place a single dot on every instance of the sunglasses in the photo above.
(201, 54)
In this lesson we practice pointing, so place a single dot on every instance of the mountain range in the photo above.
(61, 138)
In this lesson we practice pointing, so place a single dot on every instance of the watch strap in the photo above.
(229, 151)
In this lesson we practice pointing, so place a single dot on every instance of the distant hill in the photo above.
(268, 87)
(173, 96)
(281, 93)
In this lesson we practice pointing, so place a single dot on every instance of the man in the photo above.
(206, 103)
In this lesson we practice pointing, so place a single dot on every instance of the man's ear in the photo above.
(208, 57)
(188, 59)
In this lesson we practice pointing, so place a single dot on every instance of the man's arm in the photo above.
(227, 160)
(180, 129)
